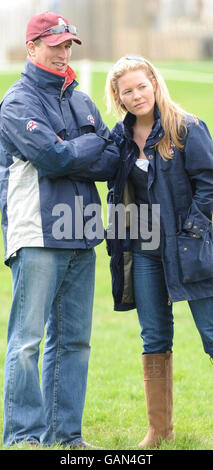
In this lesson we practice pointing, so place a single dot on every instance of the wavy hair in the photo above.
(173, 117)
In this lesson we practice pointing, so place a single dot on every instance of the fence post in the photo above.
(85, 76)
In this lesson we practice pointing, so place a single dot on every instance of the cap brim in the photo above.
(55, 39)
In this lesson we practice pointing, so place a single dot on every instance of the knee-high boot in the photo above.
(158, 383)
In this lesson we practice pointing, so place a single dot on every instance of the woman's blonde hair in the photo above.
(173, 118)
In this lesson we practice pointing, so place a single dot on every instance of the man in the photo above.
(53, 145)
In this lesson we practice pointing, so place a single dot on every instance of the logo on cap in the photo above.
(61, 22)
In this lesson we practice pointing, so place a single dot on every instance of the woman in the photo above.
(166, 160)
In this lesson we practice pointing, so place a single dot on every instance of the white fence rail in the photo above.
(85, 69)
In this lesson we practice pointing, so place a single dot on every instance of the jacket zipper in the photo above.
(63, 89)
(169, 296)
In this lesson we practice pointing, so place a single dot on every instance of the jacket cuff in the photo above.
(117, 138)
(196, 226)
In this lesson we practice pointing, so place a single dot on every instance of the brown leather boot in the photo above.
(158, 380)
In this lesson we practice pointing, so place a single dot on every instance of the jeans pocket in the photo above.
(195, 257)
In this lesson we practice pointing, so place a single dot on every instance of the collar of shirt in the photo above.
(69, 75)
(157, 131)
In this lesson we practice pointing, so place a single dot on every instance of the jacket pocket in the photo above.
(128, 290)
(195, 257)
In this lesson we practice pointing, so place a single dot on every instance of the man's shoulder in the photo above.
(16, 94)
(11, 92)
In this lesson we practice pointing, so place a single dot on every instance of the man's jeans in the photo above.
(155, 313)
(53, 287)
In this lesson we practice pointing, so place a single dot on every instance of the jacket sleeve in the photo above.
(28, 135)
(118, 138)
(199, 166)
(104, 167)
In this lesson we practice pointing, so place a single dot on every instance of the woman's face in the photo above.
(137, 92)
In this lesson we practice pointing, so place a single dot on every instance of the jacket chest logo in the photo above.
(31, 125)
(91, 119)
(172, 148)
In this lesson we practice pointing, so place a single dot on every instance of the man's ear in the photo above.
(31, 49)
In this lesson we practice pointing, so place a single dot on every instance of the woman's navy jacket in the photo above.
(183, 186)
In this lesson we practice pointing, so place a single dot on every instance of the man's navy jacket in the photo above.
(44, 181)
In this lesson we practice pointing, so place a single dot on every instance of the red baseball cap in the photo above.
(52, 28)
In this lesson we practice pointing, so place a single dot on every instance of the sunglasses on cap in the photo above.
(61, 29)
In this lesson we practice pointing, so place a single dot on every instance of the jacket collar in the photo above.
(42, 77)
(157, 130)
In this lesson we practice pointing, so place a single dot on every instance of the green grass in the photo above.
(115, 413)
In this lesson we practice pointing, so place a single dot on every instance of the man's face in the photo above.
(53, 57)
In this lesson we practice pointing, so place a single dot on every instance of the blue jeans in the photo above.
(54, 288)
(155, 312)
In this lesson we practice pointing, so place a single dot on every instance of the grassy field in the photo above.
(115, 414)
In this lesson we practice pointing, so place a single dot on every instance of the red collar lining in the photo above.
(70, 75)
